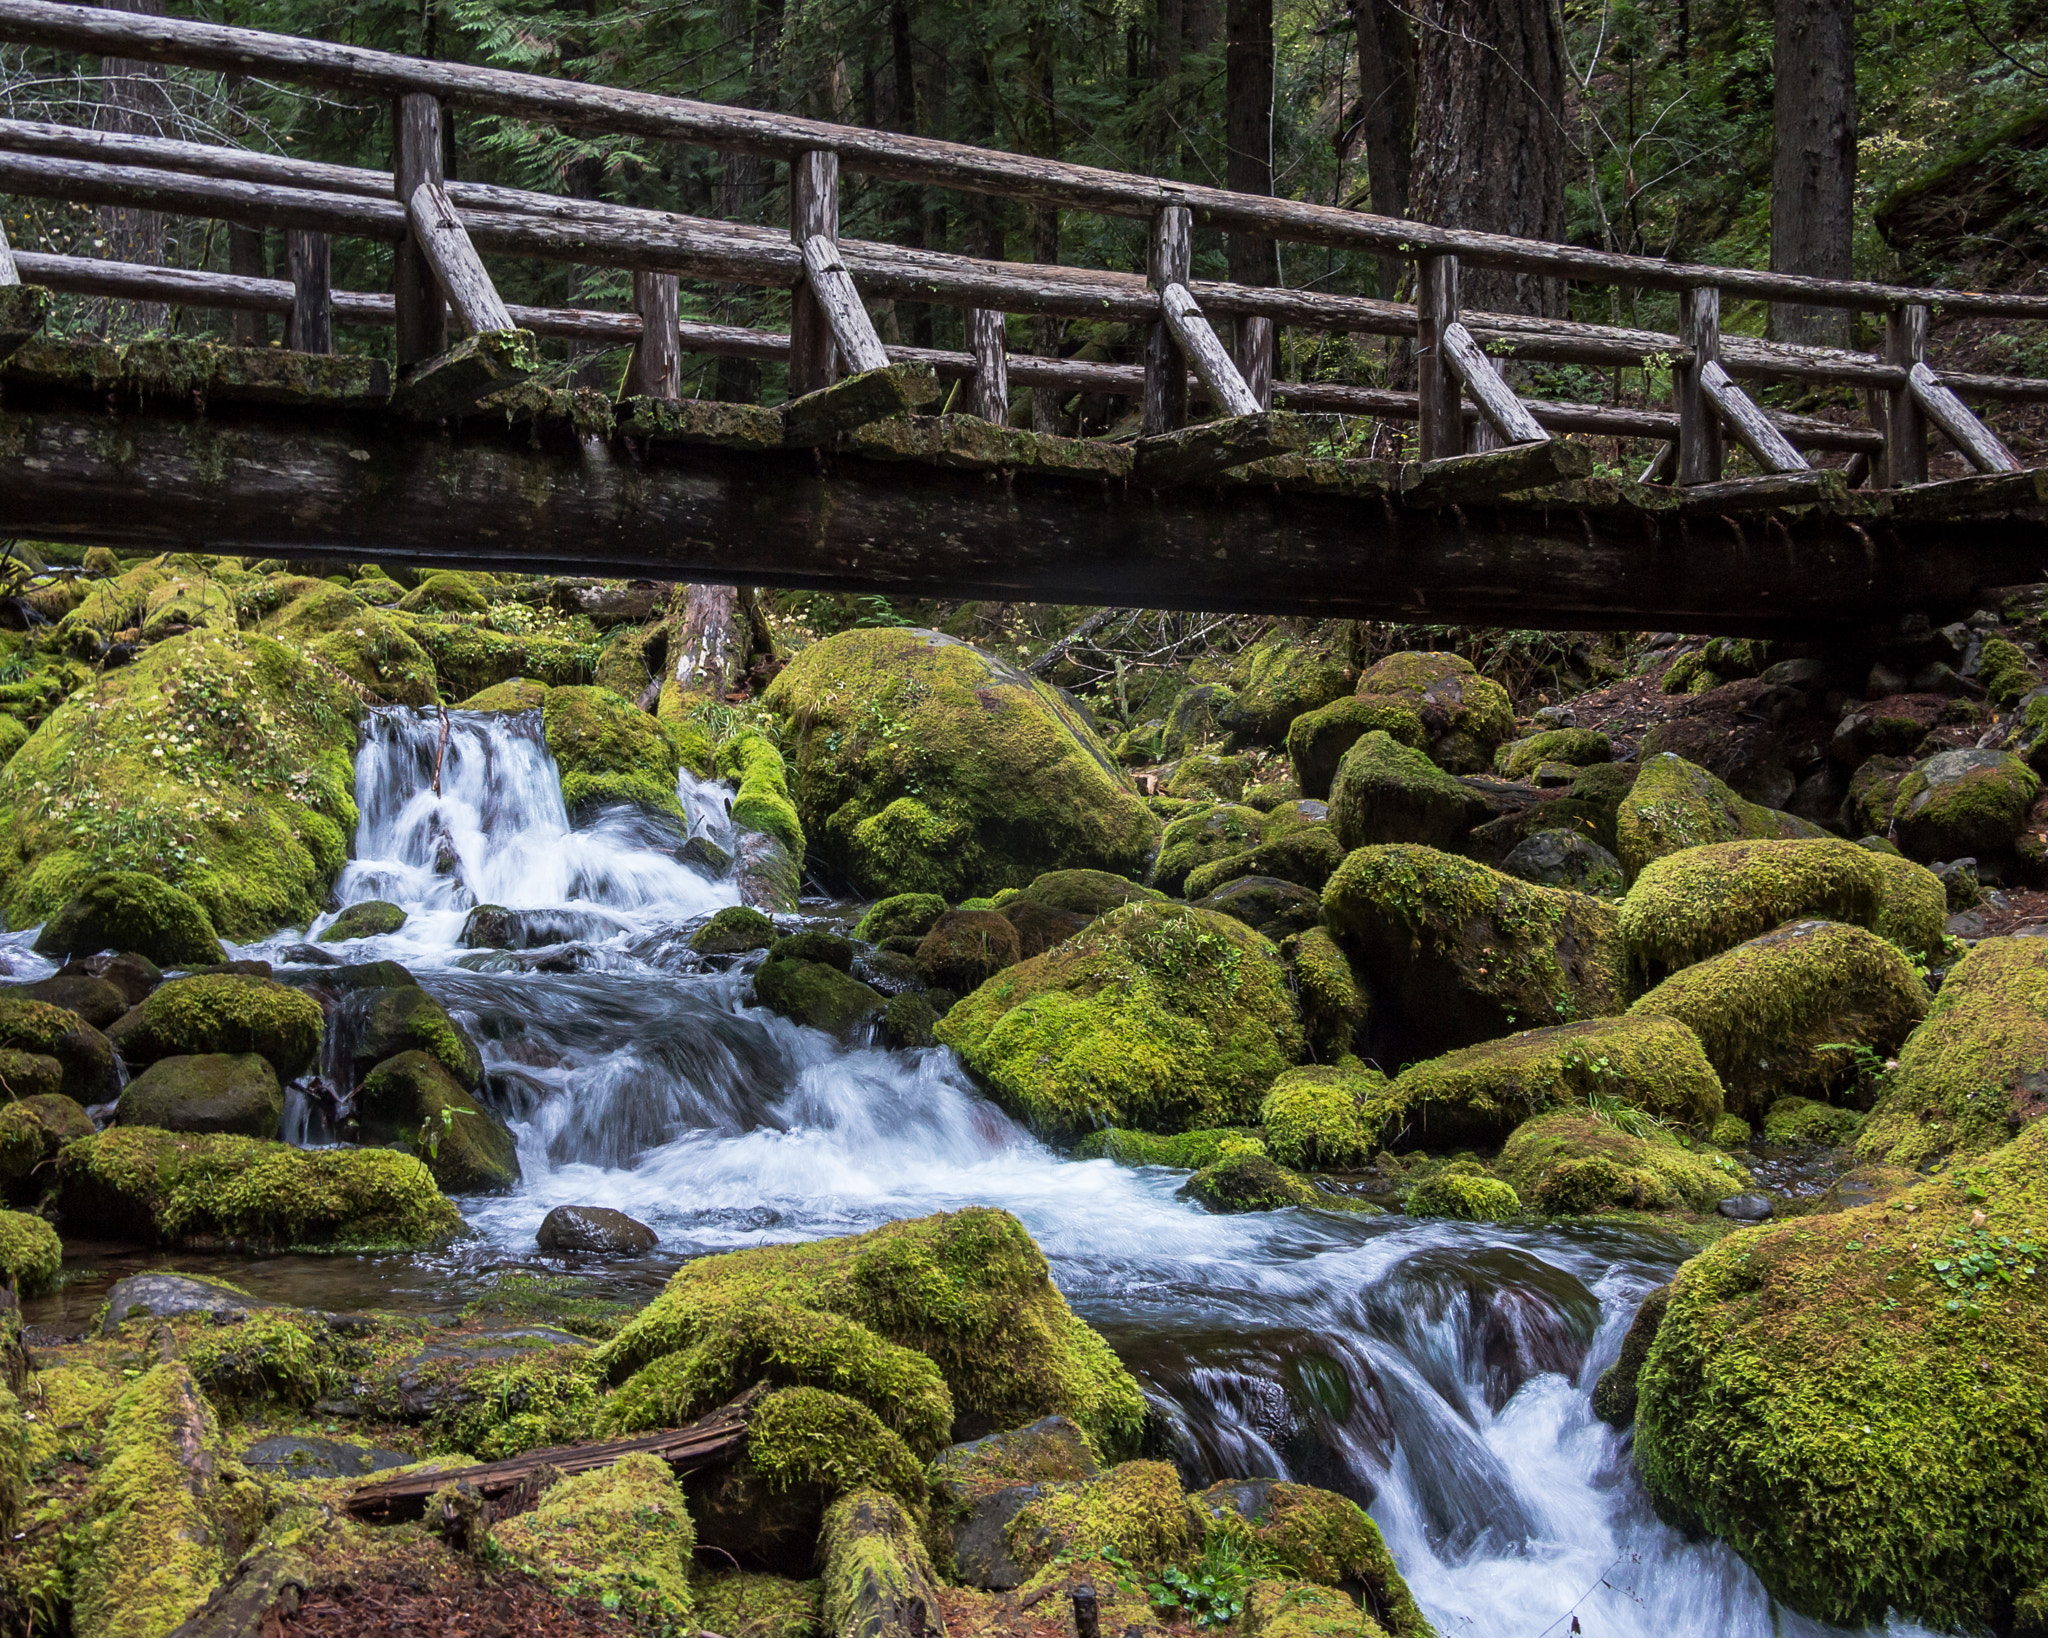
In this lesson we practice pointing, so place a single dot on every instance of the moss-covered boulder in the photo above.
(1328, 989)
(1247, 1183)
(1275, 681)
(762, 801)
(763, 1606)
(128, 910)
(1804, 1123)
(1466, 716)
(1776, 1014)
(1317, 740)
(1467, 1195)
(182, 1189)
(1135, 1509)
(966, 948)
(924, 765)
(1575, 747)
(1195, 718)
(1319, 1536)
(818, 995)
(1317, 1115)
(610, 752)
(33, 1128)
(1478, 1094)
(1873, 792)
(1203, 776)
(1566, 858)
(1202, 836)
(85, 1056)
(1976, 1071)
(1964, 802)
(218, 763)
(1698, 902)
(619, 1534)
(1852, 1402)
(30, 1253)
(1463, 953)
(1307, 856)
(1084, 892)
(1674, 804)
(25, 1075)
(224, 1012)
(468, 657)
(901, 915)
(404, 1018)
(967, 1291)
(411, 1102)
(1385, 792)
(1914, 914)
(878, 1575)
(2006, 672)
(512, 695)
(1157, 1016)
(206, 1092)
(735, 930)
(1183, 1151)
(446, 592)
(1577, 1162)
(371, 918)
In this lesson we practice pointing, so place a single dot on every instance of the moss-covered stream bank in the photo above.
(1439, 1372)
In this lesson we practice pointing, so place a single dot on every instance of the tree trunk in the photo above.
(138, 104)
(1248, 129)
(1386, 100)
(1042, 127)
(1168, 23)
(710, 642)
(745, 182)
(1813, 161)
(1490, 153)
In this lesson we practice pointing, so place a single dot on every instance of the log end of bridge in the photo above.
(455, 382)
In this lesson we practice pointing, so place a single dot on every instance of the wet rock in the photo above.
(818, 995)
(767, 873)
(596, 1229)
(205, 1092)
(410, 1020)
(224, 1012)
(1746, 1208)
(1614, 1395)
(736, 930)
(1276, 908)
(814, 946)
(371, 918)
(434, 1381)
(93, 999)
(907, 1023)
(1318, 740)
(1564, 858)
(489, 927)
(172, 1296)
(966, 948)
(1958, 878)
(133, 975)
(1967, 925)
(130, 910)
(987, 1482)
(1246, 1183)
(410, 1101)
(890, 972)
(297, 1459)
(307, 955)
(705, 856)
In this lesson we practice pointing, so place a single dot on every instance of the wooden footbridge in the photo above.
(892, 469)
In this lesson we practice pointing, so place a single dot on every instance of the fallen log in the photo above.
(719, 1437)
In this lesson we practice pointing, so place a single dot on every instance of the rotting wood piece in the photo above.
(716, 1438)
(183, 369)
(1822, 486)
(1494, 474)
(9, 273)
(969, 442)
(24, 309)
(1980, 495)
(473, 368)
(701, 421)
(873, 395)
(1209, 448)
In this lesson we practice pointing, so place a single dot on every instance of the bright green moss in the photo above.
(1002, 777)
(1320, 1536)
(1703, 900)
(537, 1399)
(1275, 682)
(180, 1188)
(1803, 1123)
(1157, 1016)
(271, 1357)
(371, 918)
(1868, 1433)
(225, 1012)
(1385, 792)
(1977, 1068)
(878, 1575)
(112, 606)
(30, 1252)
(1450, 697)
(1461, 1195)
(816, 995)
(1301, 1609)
(902, 915)
(620, 1535)
(127, 910)
(1962, 803)
(404, 1018)
(85, 1059)
(1576, 1162)
(733, 931)
(968, 1289)
(1333, 1001)
(1184, 1151)
(1730, 1132)
(1914, 914)
(1203, 776)
(412, 1103)
(1248, 1182)
(742, 1604)
(1580, 747)
(1307, 856)
(1084, 892)
(513, 694)
(1201, 837)
(1316, 1115)
(218, 763)
(2004, 671)
(1317, 740)
(1480, 1093)
(1674, 805)
(447, 592)
(1768, 1010)
(1136, 1509)
(814, 1438)
(763, 801)
(1465, 953)
(789, 1346)
(470, 658)
(609, 751)
(13, 735)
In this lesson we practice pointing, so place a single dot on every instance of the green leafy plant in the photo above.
(1974, 1267)
(429, 1139)
(1212, 1591)
(1871, 1067)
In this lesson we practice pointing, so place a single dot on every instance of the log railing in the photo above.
(441, 230)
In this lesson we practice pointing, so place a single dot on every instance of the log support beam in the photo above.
(459, 271)
(416, 153)
(656, 369)
(1979, 444)
(310, 329)
(1169, 260)
(1905, 429)
(985, 344)
(1440, 409)
(813, 213)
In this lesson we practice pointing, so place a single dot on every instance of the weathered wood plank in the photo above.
(1208, 448)
(813, 211)
(987, 347)
(1439, 405)
(1752, 428)
(1977, 441)
(696, 421)
(1905, 442)
(1169, 256)
(1509, 416)
(1822, 486)
(1458, 479)
(873, 395)
(1205, 352)
(417, 159)
(656, 368)
(310, 328)
(467, 372)
(24, 309)
(832, 287)
(182, 369)
(1981, 495)
(9, 273)
(974, 444)
(437, 229)
(1700, 452)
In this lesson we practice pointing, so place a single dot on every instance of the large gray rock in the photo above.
(292, 1457)
(985, 1483)
(172, 1296)
(1563, 858)
(596, 1229)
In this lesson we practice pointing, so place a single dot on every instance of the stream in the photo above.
(1440, 1373)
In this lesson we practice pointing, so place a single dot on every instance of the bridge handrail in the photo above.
(904, 158)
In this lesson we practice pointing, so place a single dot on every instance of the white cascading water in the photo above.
(1441, 1373)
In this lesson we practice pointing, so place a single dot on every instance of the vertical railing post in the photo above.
(311, 328)
(813, 209)
(1168, 261)
(1438, 400)
(657, 367)
(1700, 445)
(1905, 426)
(416, 158)
(991, 395)
(245, 260)
(1255, 347)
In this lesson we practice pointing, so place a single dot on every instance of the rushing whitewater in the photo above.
(1440, 1373)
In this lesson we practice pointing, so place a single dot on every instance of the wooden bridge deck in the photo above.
(454, 453)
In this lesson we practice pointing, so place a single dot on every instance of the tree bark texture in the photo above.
(138, 104)
(744, 182)
(1248, 129)
(1386, 110)
(1813, 158)
(1491, 153)
(709, 640)
(1042, 124)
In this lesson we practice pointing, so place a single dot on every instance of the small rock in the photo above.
(1564, 858)
(1967, 925)
(1939, 678)
(167, 1296)
(1803, 673)
(2038, 930)
(1959, 877)
(595, 1229)
(1558, 716)
(307, 955)
(371, 918)
(1746, 1208)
